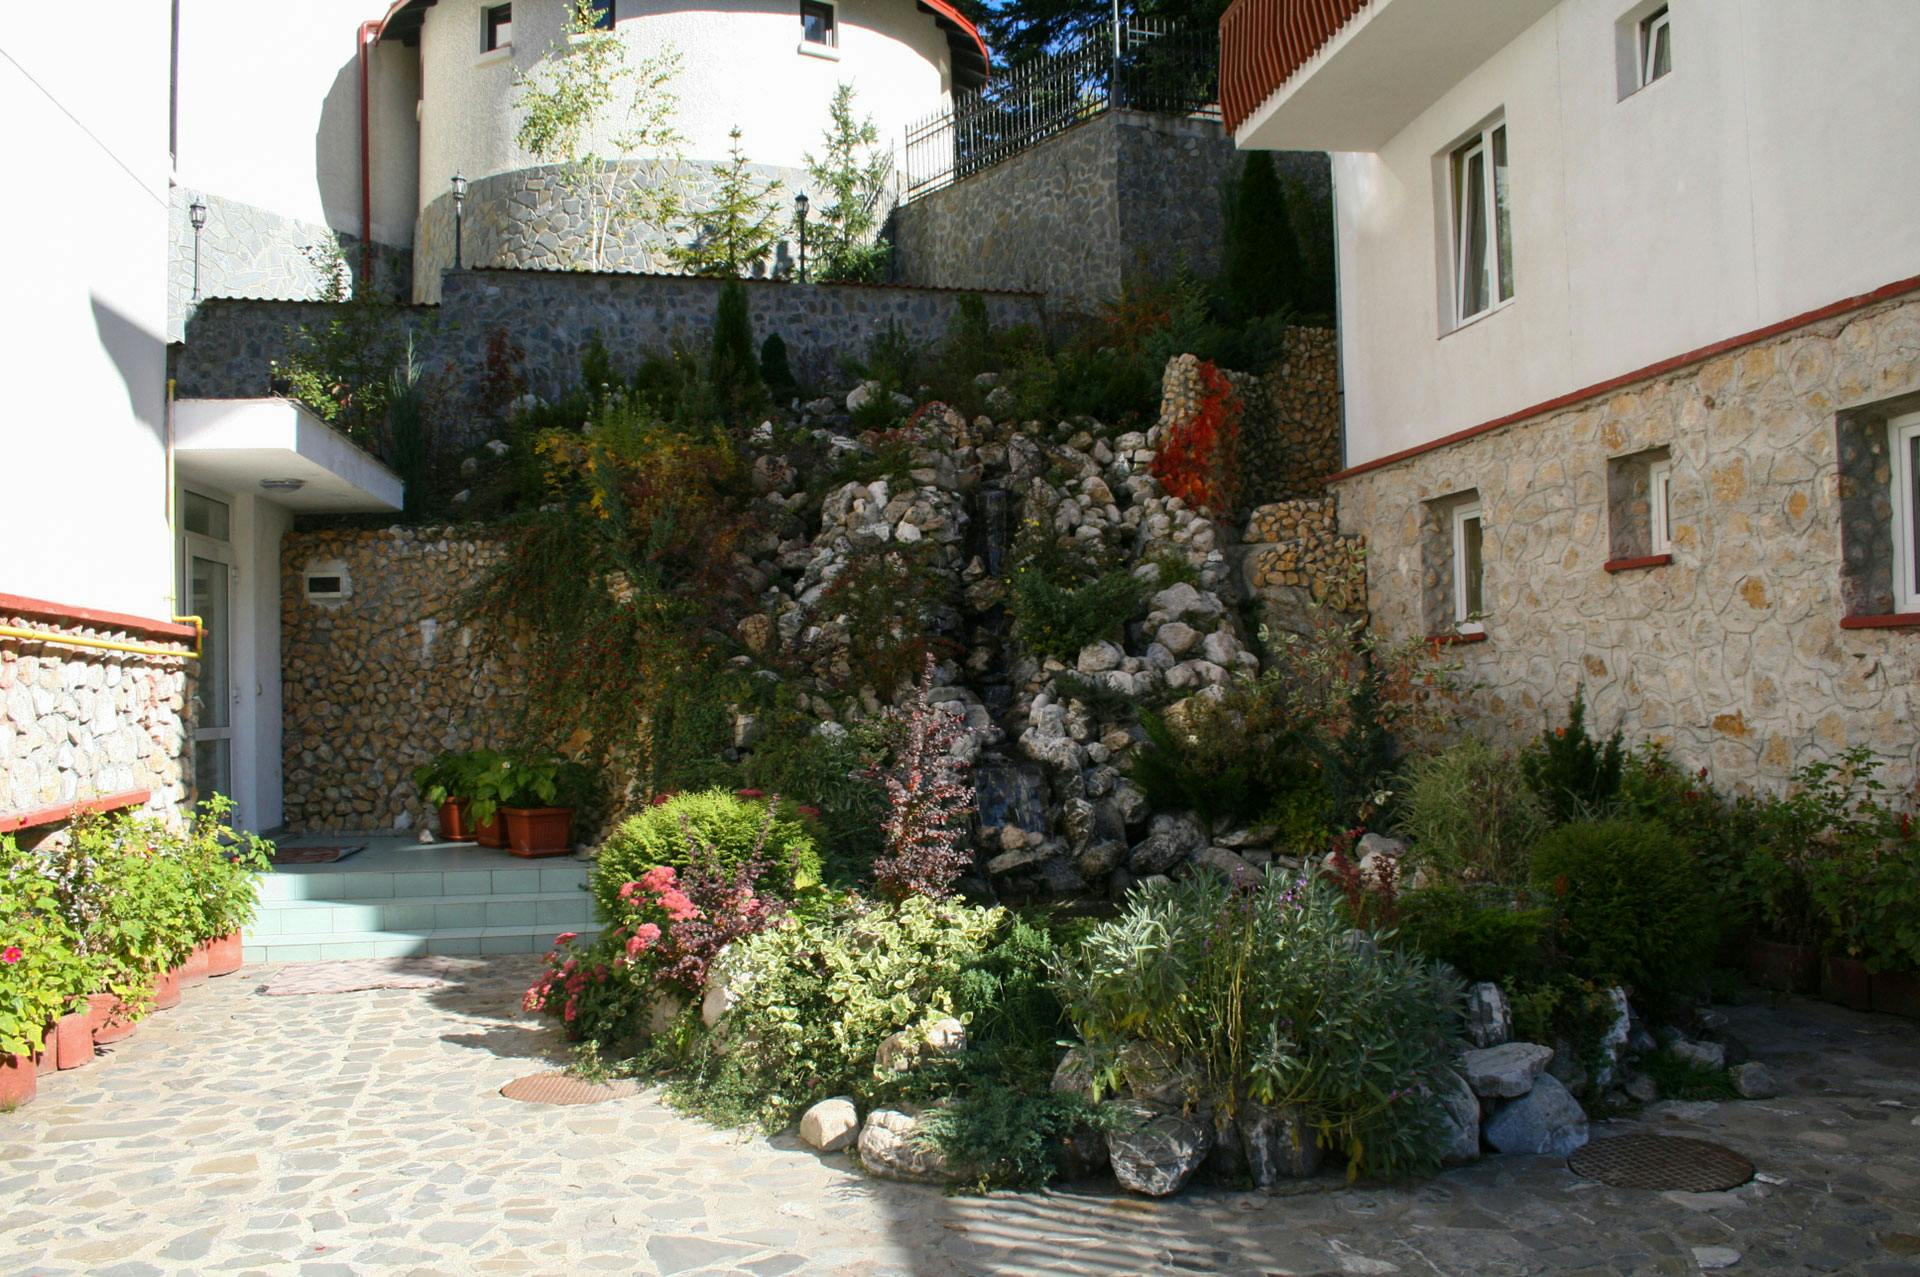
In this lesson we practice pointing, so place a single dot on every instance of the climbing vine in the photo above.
(1196, 461)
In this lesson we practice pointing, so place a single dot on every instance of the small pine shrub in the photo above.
(728, 824)
(1471, 814)
(1053, 617)
(732, 369)
(774, 369)
(1576, 776)
(1261, 270)
(1482, 936)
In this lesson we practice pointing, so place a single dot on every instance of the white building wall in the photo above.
(82, 348)
(741, 64)
(1775, 170)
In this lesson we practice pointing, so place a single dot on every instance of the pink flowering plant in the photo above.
(929, 798)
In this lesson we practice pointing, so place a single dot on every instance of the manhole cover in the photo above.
(561, 1087)
(1661, 1162)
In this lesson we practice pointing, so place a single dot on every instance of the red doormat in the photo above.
(313, 855)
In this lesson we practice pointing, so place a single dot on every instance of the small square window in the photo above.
(1639, 510)
(1903, 438)
(602, 14)
(1482, 231)
(1656, 46)
(817, 25)
(1469, 566)
(496, 27)
(1453, 556)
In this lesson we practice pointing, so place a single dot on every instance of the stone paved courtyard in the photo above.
(363, 1133)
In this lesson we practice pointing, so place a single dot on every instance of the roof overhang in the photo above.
(971, 62)
(1347, 75)
(236, 444)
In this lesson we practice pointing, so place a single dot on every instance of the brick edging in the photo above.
(15, 820)
(95, 618)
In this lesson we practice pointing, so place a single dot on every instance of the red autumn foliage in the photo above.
(1198, 461)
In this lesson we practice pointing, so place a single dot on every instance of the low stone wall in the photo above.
(552, 315)
(1733, 654)
(77, 723)
(383, 680)
(1290, 416)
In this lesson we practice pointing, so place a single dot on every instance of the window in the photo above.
(1469, 596)
(1660, 506)
(817, 24)
(1656, 46)
(602, 14)
(1482, 237)
(203, 516)
(1903, 437)
(496, 27)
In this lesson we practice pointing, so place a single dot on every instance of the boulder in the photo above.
(1152, 1073)
(1489, 1023)
(1707, 1055)
(1098, 658)
(1545, 1120)
(1640, 1088)
(1754, 1081)
(1279, 1143)
(1074, 1073)
(1156, 1150)
(1228, 865)
(1379, 844)
(1460, 1119)
(1181, 599)
(901, 1051)
(831, 1125)
(1506, 1071)
(891, 1149)
(1177, 637)
(1169, 840)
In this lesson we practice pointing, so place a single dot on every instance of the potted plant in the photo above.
(1781, 956)
(41, 971)
(448, 782)
(224, 865)
(538, 801)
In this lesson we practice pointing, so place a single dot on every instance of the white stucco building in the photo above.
(1630, 333)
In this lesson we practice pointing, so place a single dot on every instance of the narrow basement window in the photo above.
(1656, 46)
(1469, 592)
(1660, 505)
(1903, 438)
(496, 27)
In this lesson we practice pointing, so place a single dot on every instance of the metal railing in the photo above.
(1143, 64)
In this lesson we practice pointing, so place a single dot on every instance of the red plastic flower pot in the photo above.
(166, 990)
(108, 1018)
(18, 1081)
(1845, 980)
(73, 1039)
(194, 969)
(490, 833)
(1897, 993)
(1784, 968)
(224, 954)
(454, 826)
(539, 831)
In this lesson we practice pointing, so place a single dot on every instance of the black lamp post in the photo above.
(197, 214)
(800, 216)
(459, 198)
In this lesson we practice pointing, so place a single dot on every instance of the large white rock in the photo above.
(1505, 1071)
(1097, 658)
(831, 1125)
(1279, 1143)
(1460, 1118)
(1489, 1023)
(906, 1048)
(1182, 599)
(1545, 1120)
(889, 1148)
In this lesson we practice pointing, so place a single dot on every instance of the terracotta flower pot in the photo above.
(1784, 968)
(166, 990)
(108, 1018)
(194, 969)
(1845, 980)
(73, 1039)
(47, 1058)
(18, 1080)
(454, 826)
(539, 831)
(224, 955)
(1897, 993)
(490, 833)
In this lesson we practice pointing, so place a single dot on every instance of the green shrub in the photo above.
(1259, 257)
(732, 369)
(1722, 834)
(1055, 617)
(1630, 903)
(1576, 776)
(1237, 757)
(728, 823)
(774, 369)
(1471, 814)
(1682, 1079)
(1482, 936)
(1269, 994)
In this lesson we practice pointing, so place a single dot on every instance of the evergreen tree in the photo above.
(774, 369)
(1260, 260)
(850, 179)
(737, 231)
(732, 370)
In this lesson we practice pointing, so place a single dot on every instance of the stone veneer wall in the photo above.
(377, 683)
(551, 315)
(1732, 654)
(76, 723)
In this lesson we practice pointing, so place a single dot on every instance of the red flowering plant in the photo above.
(1198, 459)
(928, 800)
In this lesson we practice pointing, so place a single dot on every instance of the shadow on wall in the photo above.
(140, 357)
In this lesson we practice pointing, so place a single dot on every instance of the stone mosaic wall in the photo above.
(553, 314)
(1733, 654)
(1290, 415)
(381, 681)
(76, 723)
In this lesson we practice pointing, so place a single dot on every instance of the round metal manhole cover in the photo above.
(1662, 1162)
(561, 1087)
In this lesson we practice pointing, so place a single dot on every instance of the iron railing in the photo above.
(1143, 64)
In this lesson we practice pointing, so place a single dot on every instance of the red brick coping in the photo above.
(64, 613)
(12, 820)
(1890, 621)
(1634, 565)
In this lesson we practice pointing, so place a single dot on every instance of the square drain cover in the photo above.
(1662, 1162)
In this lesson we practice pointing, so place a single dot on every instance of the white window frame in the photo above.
(1901, 433)
(1660, 506)
(488, 43)
(1499, 287)
(1463, 622)
(1651, 27)
(833, 28)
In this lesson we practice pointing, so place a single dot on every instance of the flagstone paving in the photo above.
(363, 1133)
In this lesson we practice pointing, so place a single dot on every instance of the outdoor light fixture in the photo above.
(197, 214)
(459, 198)
(283, 485)
(800, 215)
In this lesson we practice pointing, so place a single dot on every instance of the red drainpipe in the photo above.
(369, 31)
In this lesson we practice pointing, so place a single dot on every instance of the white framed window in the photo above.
(1469, 593)
(496, 27)
(819, 24)
(1904, 437)
(1482, 233)
(1655, 45)
(1660, 505)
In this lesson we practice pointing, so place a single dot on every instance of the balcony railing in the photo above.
(1263, 42)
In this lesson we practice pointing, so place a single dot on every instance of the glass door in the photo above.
(207, 566)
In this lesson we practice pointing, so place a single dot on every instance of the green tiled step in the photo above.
(311, 946)
(557, 910)
(486, 878)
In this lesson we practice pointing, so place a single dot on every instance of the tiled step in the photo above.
(376, 884)
(313, 946)
(559, 910)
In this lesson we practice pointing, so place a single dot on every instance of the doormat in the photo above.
(314, 855)
(354, 974)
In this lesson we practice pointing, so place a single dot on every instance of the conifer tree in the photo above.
(850, 179)
(737, 231)
(1260, 261)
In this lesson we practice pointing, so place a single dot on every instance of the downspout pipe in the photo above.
(369, 32)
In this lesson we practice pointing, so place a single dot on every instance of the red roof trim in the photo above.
(1264, 42)
(14, 820)
(94, 618)
(1637, 562)
(1846, 305)
(1888, 621)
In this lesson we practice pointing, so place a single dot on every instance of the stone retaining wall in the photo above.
(385, 679)
(1290, 416)
(1733, 654)
(77, 723)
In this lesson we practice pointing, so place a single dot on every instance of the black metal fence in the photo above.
(1143, 65)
